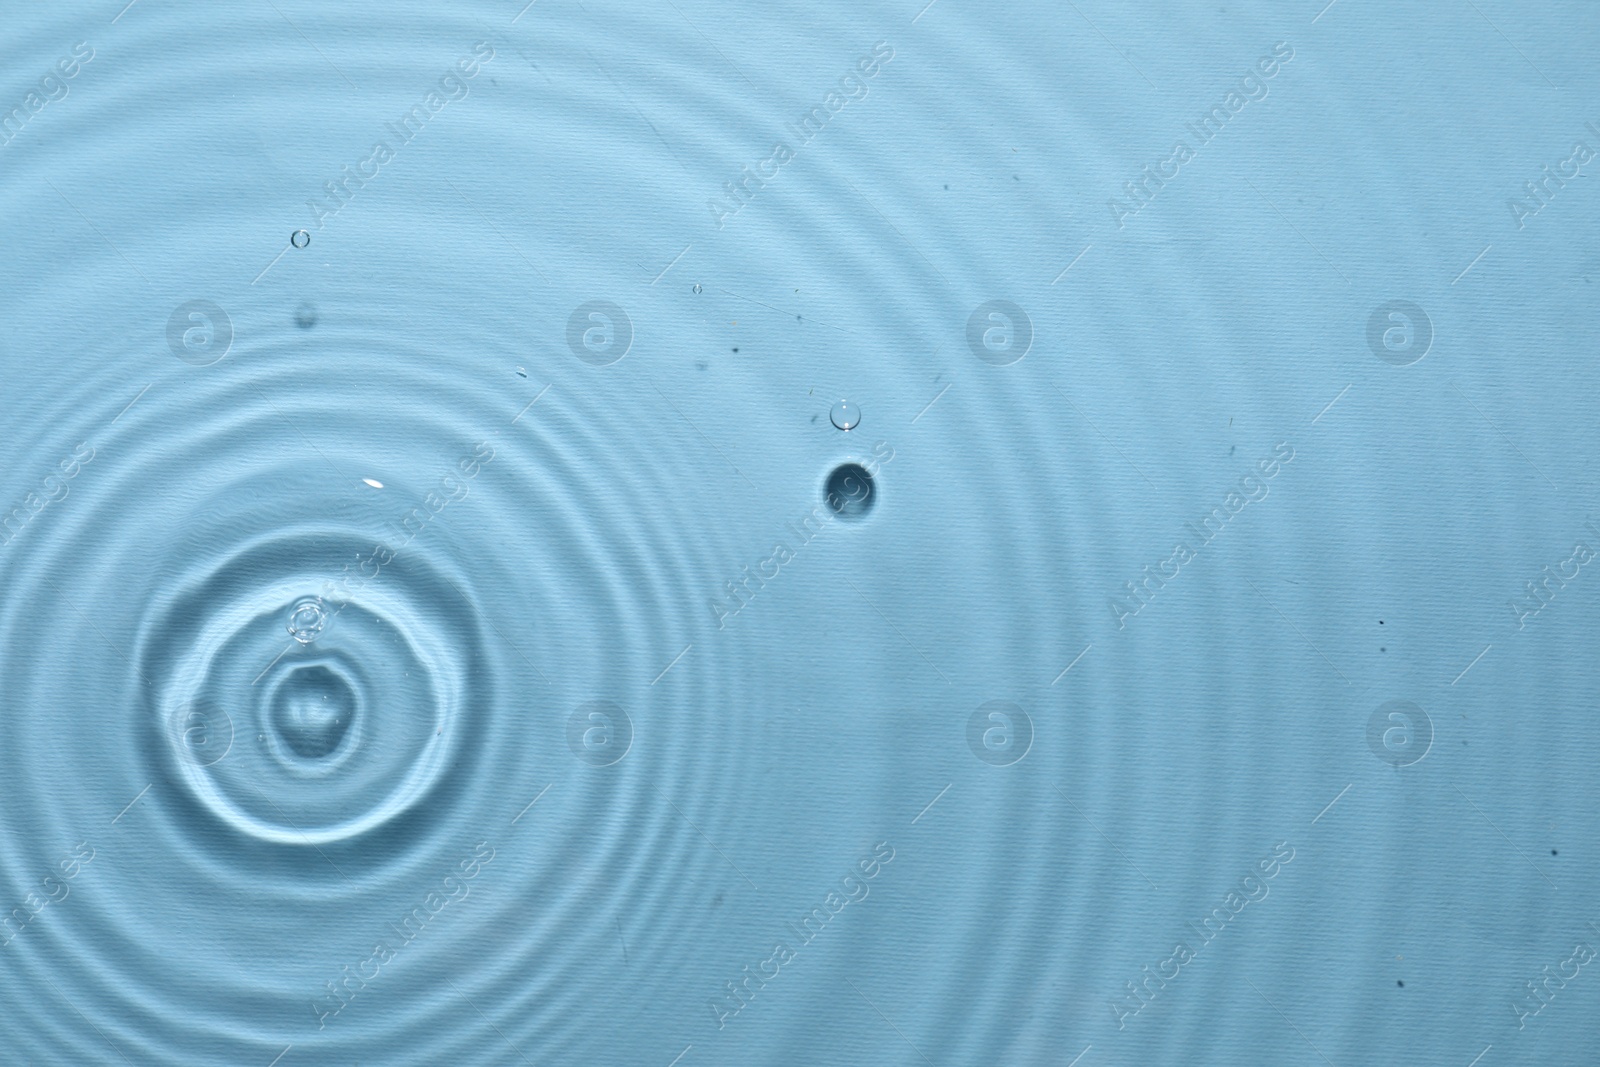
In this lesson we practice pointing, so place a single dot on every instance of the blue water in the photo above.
(793, 534)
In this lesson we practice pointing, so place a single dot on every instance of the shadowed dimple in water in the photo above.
(312, 711)
(850, 492)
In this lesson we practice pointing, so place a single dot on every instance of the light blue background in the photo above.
(773, 748)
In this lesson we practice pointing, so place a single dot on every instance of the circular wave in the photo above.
(473, 629)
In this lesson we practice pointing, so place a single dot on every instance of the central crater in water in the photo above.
(312, 711)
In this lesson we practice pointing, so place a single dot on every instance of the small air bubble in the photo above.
(306, 619)
(845, 415)
(300, 238)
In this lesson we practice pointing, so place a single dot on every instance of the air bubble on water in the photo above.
(845, 415)
(307, 618)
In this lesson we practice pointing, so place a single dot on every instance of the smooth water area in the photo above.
(672, 534)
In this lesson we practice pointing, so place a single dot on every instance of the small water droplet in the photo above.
(845, 415)
(307, 618)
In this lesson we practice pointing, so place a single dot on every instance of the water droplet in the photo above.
(307, 618)
(845, 415)
(850, 492)
(300, 238)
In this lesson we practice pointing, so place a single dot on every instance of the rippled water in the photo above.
(670, 534)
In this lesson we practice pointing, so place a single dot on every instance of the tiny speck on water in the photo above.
(736, 350)
(521, 373)
(300, 238)
(1399, 983)
(697, 288)
(1553, 852)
